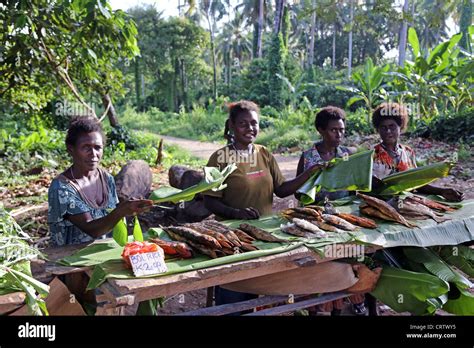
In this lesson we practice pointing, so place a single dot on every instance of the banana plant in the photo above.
(424, 79)
(368, 86)
(297, 90)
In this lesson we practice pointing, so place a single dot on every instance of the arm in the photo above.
(99, 227)
(289, 187)
(216, 206)
(299, 170)
(448, 193)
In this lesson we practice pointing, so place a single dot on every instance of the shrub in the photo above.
(454, 127)
(356, 123)
(121, 134)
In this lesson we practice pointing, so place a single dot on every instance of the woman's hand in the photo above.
(134, 206)
(318, 167)
(452, 195)
(246, 214)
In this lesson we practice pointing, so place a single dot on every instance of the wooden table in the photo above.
(118, 294)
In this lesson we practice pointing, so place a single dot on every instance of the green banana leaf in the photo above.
(105, 255)
(459, 256)
(114, 268)
(436, 266)
(407, 291)
(213, 180)
(413, 178)
(120, 232)
(137, 231)
(460, 303)
(349, 174)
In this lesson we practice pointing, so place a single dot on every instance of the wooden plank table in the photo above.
(117, 294)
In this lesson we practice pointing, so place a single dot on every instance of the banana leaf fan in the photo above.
(407, 291)
(213, 180)
(414, 178)
(459, 300)
(349, 174)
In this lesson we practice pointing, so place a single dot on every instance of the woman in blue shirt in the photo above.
(83, 203)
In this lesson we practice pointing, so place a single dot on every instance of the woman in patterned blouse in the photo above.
(330, 122)
(80, 198)
(390, 119)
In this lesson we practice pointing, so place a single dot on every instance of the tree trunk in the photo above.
(137, 83)
(312, 37)
(175, 86)
(349, 58)
(334, 47)
(278, 16)
(464, 23)
(403, 35)
(111, 113)
(184, 92)
(213, 51)
(260, 28)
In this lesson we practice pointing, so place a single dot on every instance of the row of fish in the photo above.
(215, 239)
(212, 238)
(314, 221)
(399, 210)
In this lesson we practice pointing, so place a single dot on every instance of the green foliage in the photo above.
(255, 82)
(436, 79)
(356, 123)
(415, 292)
(276, 61)
(454, 127)
(121, 135)
(172, 61)
(75, 45)
(199, 123)
(322, 88)
(15, 272)
(368, 86)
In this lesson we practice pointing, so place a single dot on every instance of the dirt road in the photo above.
(204, 150)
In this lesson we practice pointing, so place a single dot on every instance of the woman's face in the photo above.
(334, 132)
(389, 131)
(245, 127)
(88, 151)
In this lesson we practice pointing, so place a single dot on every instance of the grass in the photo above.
(48, 153)
(278, 130)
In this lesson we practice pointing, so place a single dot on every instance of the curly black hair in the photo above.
(393, 111)
(82, 125)
(327, 114)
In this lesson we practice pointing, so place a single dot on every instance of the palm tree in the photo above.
(261, 5)
(212, 11)
(280, 4)
(349, 58)
(233, 45)
(312, 35)
(403, 35)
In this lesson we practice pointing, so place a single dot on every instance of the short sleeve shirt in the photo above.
(253, 182)
(386, 164)
(64, 199)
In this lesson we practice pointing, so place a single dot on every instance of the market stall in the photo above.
(294, 258)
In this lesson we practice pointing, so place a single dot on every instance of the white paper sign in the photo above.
(148, 263)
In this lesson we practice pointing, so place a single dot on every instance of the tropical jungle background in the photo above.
(147, 74)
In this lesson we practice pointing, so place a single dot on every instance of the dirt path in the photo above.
(204, 150)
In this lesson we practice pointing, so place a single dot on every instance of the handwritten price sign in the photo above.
(148, 263)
